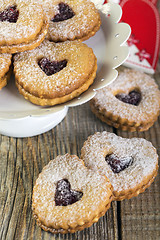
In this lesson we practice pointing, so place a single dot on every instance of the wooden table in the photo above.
(21, 160)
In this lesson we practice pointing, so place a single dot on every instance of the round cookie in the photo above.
(131, 102)
(5, 62)
(23, 25)
(55, 73)
(68, 197)
(71, 19)
(130, 164)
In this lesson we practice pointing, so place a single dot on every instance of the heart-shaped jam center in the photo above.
(10, 14)
(65, 12)
(65, 195)
(51, 67)
(118, 164)
(134, 97)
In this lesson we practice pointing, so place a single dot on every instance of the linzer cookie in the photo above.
(5, 62)
(131, 102)
(23, 25)
(55, 73)
(71, 19)
(68, 197)
(130, 164)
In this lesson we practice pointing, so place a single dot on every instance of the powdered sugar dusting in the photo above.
(5, 62)
(145, 158)
(95, 188)
(80, 63)
(127, 81)
(85, 19)
(28, 25)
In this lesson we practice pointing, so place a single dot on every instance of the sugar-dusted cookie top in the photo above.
(131, 102)
(28, 22)
(5, 62)
(130, 164)
(68, 197)
(71, 19)
(23, 25)
(55, 72)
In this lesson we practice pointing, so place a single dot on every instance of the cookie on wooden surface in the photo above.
(68, 197)
(131, 102)
(130, 164)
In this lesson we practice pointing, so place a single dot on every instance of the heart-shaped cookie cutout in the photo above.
(10, 14)
(118, 164)
(51, 67)
(65, 12)
(134, 97)
(68, 197)
(64, 195)
(130, 164)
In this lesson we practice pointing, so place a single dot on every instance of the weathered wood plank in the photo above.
(140, 216)
(21, 162)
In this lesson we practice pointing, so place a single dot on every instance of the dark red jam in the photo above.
(10, 14)
(65, 12)
(134, 97)
(118, 164)
(64, 195)
(53, 67)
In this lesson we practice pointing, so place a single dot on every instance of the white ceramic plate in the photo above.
(20, 118)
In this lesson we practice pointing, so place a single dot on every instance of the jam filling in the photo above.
(51, 67)
(118, 164)
(134, 97)
(65, 12)
(10, 14)
(64, 195)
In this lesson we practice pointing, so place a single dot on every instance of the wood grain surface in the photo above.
(21, 161)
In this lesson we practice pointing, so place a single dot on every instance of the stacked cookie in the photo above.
(49, 73)
(131, 102)
(71, 19)
(68, 197)
(23, 25)
(19, 31)
(70, 194)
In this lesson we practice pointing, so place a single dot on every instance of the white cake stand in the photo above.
(20, 118)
